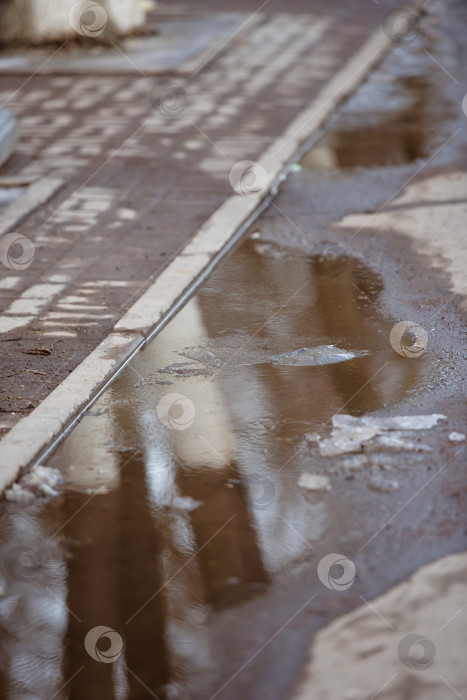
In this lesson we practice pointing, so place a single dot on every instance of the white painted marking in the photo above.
(110, 283)
(10, 323)
(25, 306)
(32, 301)
(9, 282)
(42, 291)
(76, 315)
(60, 334)
(74, 307)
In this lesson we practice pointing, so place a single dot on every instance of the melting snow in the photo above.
(39, 482)
(349, 433)
(320, 355)
(379, 483)
(314, 482)
(456, 437)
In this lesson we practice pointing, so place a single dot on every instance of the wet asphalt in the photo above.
(180, 523)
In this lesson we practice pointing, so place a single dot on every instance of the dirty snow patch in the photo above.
(356, 463)
(456, 437)
(40, 482)
(320, 355)
(314, 482)
(379, 483)
(350, 433)
(397, 442)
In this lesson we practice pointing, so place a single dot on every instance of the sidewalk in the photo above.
(139, 180)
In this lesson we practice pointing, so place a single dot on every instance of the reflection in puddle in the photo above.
(182, 503)
(372, 138)
(320, 355)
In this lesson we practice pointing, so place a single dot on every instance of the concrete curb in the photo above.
(8, 134)
(33, 432)
(28, 439)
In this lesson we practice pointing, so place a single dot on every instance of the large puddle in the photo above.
(180, 558)
(181, 525)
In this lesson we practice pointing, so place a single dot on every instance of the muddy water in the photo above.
(180, 559)
(180, 524)
(399, 124)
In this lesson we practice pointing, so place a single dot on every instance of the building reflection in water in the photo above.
(159, 529)
(33, 613)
